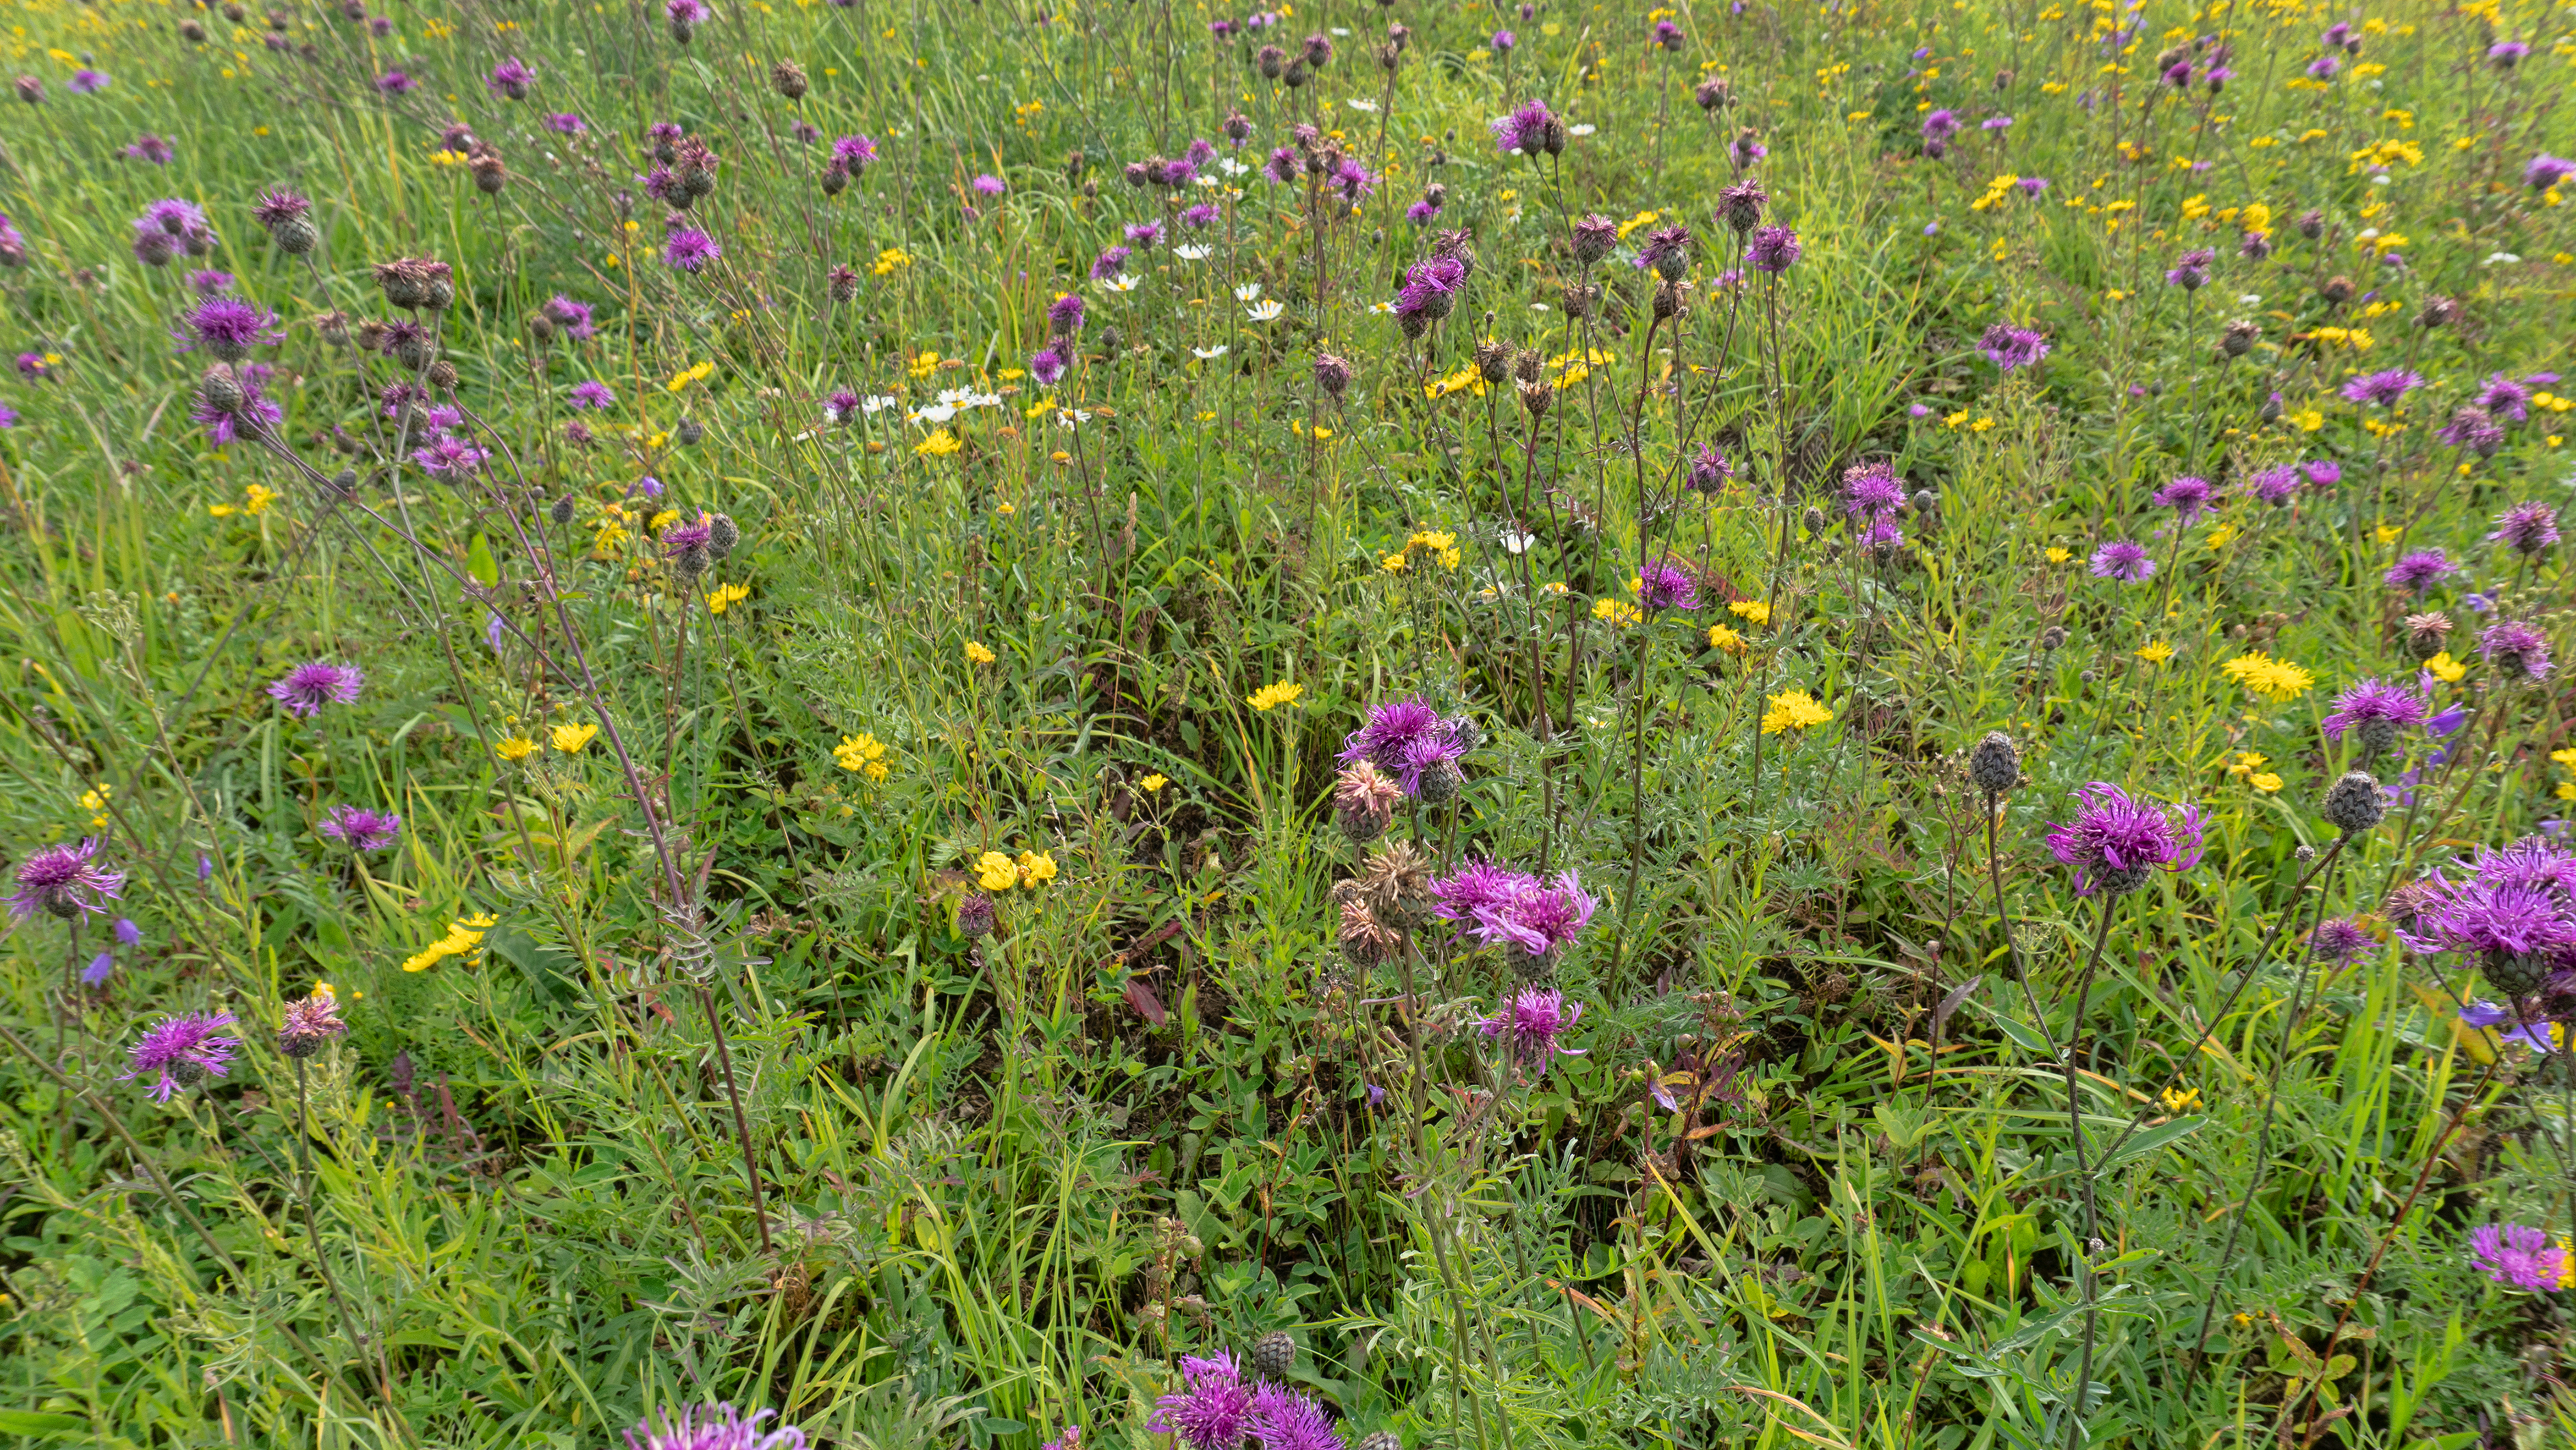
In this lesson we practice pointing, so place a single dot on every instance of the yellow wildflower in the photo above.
(1269, 697)
(1751, 611)
(2264, 781)
(2276, 680)
(2180, 1100)
(1721, 637)
(517, 747)
(461, 940)
(977, 653)
(1036, 867)
(1617, 612)
(938, 445)
(926, 364)
(2245, 763)
(2156, 652)
(726, 596)
(994, 872)
(2059, 556)
(863, 753)
(1793, 710)
(256, 499)
(1155, 782)
(570, 739)
(2446, 669)
(688, 375)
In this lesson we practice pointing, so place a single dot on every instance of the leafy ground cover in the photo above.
(1119, 725)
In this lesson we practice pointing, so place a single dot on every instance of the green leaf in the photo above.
(40, 1422)
(480, 563)
(2153, 1140)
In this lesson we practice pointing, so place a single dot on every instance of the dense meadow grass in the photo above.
(1111, 725)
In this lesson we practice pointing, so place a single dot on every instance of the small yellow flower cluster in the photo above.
(926, 364)
(1617, 612)
(863, 753)
(462, 939)
(2446, 669)
(688, 375)
(1751, 611)
(2278, 681)
(1793, 710)
(1435, 546)
(976, 653)
(94, 801)
(2247, 766)
(1721, 637)
(889, 260)
(726, 596)
(255, 500)
(938, 445)
(1997, 191)
(2156, 652)
(997, 872)
(2356, 338)
(1270, 697)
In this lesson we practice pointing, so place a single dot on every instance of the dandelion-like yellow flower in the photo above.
(978, 654)
(256, 498)
(996, 872)
(1270, 697)
(1153, 783)
(1616, 612)
(2264, 781)
(1793, 710)
(571, 738)
(2245, 763)
(2278, 681)
(2180, 1100)
(2059, 556)
(938, 445)
(1751, 611)
(726, 596)
(2446, 669)
(517, 747)
(685, 376)
(2156, 652)
(1036, 867)
(1721, 637)
(461, 940)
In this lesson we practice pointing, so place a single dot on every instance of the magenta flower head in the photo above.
(1525, 129)
(1741, 205)
(360, 828)
(853, 153)
(1210, 1410)
(1479, 884)
(1145, 234)
(2517, 1257)
(86, 82)
(2322, 472)
(1941, 125)
(1709, 469)
(2378, 712)
(687, 249)
(2190, 271)
(65, 881)
(2274, 486)
(2116, 842)
(1110, 262)
(180, 1052)
(2517, 650)
(305, 689)
(2527, 528)
(593, 394)
(2339, 942)
(2189, 496)
(150, 148)
(510, 79)
(1666, 253)
(2420, 570)
(2012, 347)
(1283, 1419)
(1664, 584)
(2504, 397)
(1871, 489)
(1530, 1024)
(396, 83)
(1064, 316)
(2123, 561)
(228, 328)
(679, 539)
(2541, 173)
(1046, 365)
(2383, 388)
(566, 123)
(1772, 250)
(1403, 738)
(841, 406)
(713, 1427)
(573, 317)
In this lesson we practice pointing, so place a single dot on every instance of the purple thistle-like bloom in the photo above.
(1478, 884)
(151, 148)
(1666, 585)
(2493, 923)
(987, 185)
(1881, 537)
(1110, 262)
(183, 1051)
(1531, 1022)
(2124, 561)
(8, 416)
(2419, 570)
(565, 123)
(1525, 129)
(64, 881)
(2542, 172)
(396, 83)
(1708, 469)
(678, 539)
(256, 415)
(1772, 249)
(2374, 708)
(1871, 489)
(2472, 430)
(1046, 365)
(2191, 270)
(1941, 125)
(2504, 398)
(205, 281)
(713, 1427)
(2189, 496)
(686, 12)
(1198, 217)
(1422, 213)
(1283, 1419)
(1145, 234)
(573, 317)
(510, 79)
(2339, 942)
(450, 457)
(1064, 315)
(2517, 1256)
(2382, 388)
(2275, 486)
(853, 153)
(86, 82)
(2323, 69)
(841, 406)
(593, 394)
(2115, 841)
(228, 328)
(2012, 347)
(687, 249)
(361, 828)
(1282, 166)
(1666, 253)
(1503, 41)
(2527, 527)
(2322, 472)
(1537, 916)
(305, 689)
(1403, 738)
(2517, 650)
(1210, 1410)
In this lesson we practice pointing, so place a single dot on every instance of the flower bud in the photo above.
(1995, 764)
(2354, 804)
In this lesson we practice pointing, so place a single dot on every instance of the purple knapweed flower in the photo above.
(206, 281)
(228, 328)
(1403, 738)
(450, 457)
(2419, 571)
(360, 828)
(565, 123)
(2012, 347)
(396, 83)
(2115, 842)
(2275, 486)
(678, 539)
(2124, 561)
(2323, 68)
(2493, 924)
(2322, 472)
(841, 406)
(1530, 1023)
(2527, 528)
(1708, 469)
(987, 185)
(712, 1427)
(183, 1051)
(2339, 943)
(1871, 489)
(1525, 129)
(687, 249)
(1666, 585)
(1666, 253)
(65, 881)
(573, 317)
(305, 689)
(2504, 398)
(87, 82)
(2189, 496)
(1771, 249)
(1283, 1419)
(2517, 1256)
(1145, 234)
(1110, 262)
(593, 394)
(1477, 884)
(2190, 271)
(1941, 125)
(2382, 388)
(853, 153)
(2517, 650)
(1210, 1409)
(2378, 711)
(1046, 365)
(510, 79)
(2545, 171)
(150, 148)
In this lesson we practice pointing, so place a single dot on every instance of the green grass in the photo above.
(1010, 1180)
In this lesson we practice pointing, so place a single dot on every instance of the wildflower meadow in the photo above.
(1120, 725)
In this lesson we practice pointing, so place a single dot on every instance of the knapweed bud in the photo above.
(1995, 764)
(1668, 301)
(1578, 299)
(1926, 502)
(1552, 137)
(345, 482)
(192, 32)
(1270, 60)
(722, 535)
(2311, 224)
(1441, 782)
(2437, 312)
(975, 915)
(690, 562)
(541, 330)
(843, 284)
(2239, 338)
(1712, 94)
(1273, 1355)
(1813, 519)
(31, 90)
(442, 375)
(220, 390)
(690, 432)
(490, 175)
(2270, 412)
(2336, 291)
(1493, 362)
(1295, 75)
(1332, 375)
(561, 511)
(2052, 639)
(2354, 804)
(788, 79)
